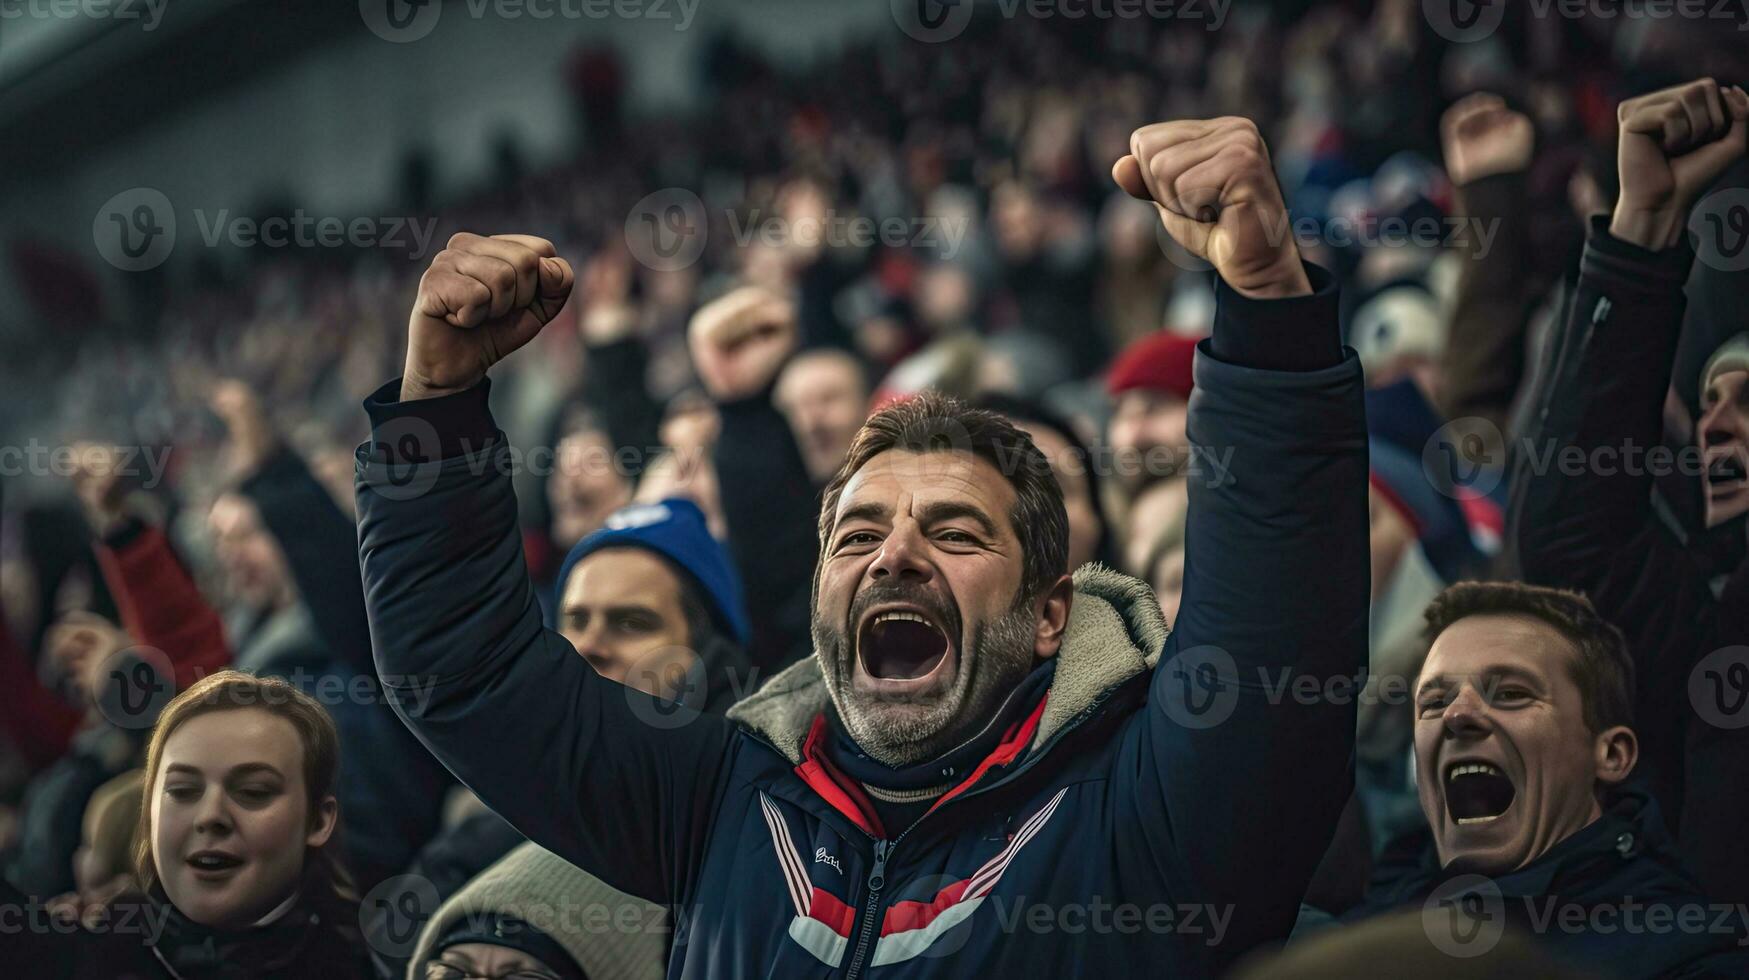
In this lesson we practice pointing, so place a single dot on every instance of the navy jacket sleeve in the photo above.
(1242, 776)
(772, 510)
(1583, 517)
(319, 544)
(609, 778)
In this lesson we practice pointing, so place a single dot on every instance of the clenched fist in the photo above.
(1674, 143)
(1482, 137)
(1213, 185)
(739, 341)
(481, 299)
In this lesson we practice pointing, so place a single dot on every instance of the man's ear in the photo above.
(1617, 749)
(322, 822)
(1053, 617)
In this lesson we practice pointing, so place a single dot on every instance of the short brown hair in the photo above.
(932, 422)
(1600, 666)
(326, 879)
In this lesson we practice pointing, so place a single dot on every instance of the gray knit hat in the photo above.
(611, 935)
(1732, 355)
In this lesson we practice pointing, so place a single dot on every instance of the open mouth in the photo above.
(1726, 473)
(901, 644)
(1477, 792)
(214, 863)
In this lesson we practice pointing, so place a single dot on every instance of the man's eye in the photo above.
(1433, 702)
(956, 537)
(636, 624)
(859, 537)
(1511, 695)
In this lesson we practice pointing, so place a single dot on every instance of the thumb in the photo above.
(556, 279)
(1127, 172)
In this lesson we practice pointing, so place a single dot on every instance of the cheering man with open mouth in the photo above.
(990, 765)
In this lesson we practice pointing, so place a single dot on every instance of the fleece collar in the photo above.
(1115, 632)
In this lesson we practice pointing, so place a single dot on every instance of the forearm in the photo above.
(159, 603)
(1583, 473)
(1275, 600)
(1484, 358)
(506, 705)
(321, 547)
(614, 387)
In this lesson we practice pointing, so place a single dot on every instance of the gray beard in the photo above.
(905, 732)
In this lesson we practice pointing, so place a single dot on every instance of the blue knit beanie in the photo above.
(675, 529)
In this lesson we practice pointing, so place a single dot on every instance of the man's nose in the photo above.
(1467, 714)
(902, 555)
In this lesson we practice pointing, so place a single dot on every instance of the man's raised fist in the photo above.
(739, 341)
(481, 299)
(1482, 137)
(1674, 142)
(1213, 185)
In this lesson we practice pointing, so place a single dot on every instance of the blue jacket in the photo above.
(1160, 810)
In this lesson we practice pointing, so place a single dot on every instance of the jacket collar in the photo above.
(1115, 632)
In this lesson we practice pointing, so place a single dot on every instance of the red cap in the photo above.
(1157, 362)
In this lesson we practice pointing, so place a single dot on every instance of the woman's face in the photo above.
(230, 820)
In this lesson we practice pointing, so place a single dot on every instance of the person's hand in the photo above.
(252, 439)
(481, 299)
(78, 645)
(1212, 183)
(1674, 142)
(1482, 138)
(739, 341)
(98, 483)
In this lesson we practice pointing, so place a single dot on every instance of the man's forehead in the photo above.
(614, 575)
(1492, 645)
(900, 479)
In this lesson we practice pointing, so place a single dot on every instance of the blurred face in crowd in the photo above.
(1723, 434)
(917, 617)
(621, 609)
(1167, 580)
(485, 960)
(585, 487)
(1149, 435)
(823, 396)
(253, 564)
(1069, 465)
(1505, 763)
(230, 816)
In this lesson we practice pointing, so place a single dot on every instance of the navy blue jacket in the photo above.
(1160, 810)
(1612, 899)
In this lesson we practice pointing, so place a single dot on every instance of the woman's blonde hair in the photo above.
(326, 880)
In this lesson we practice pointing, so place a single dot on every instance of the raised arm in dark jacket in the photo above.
(507, 704)
(1597, 527)
(1275, 587)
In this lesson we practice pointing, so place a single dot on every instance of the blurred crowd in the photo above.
(819, 241)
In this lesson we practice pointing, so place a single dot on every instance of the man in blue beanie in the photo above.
(652, 601)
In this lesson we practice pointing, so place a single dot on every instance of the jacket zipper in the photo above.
(877, 879)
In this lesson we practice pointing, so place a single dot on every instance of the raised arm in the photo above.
(1242, 780)
(1487, 150)
(1590, 527)
(507, 705)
